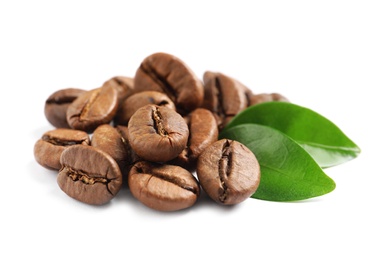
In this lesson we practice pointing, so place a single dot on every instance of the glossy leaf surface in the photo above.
(326, 143)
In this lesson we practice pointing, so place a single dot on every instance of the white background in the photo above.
(329, 56)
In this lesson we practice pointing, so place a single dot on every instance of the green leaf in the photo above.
(326, 143)
(288, 172)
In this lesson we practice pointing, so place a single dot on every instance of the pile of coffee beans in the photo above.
(156, 132)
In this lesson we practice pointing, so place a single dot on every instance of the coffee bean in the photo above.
(123, 85)
(109, 139)
(265, 97)
(166, 73)
(56, 105)
(48, 149)
(133, 157)
(224, 96)
(163, 187)
(228, 172)
(203, 131)
(157, 133)
(138, 100)
(89, 175)
(93, 108)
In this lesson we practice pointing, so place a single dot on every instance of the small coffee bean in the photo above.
(157, 133)
(93, 108)
(48, 149)
(89, 175)
(109, 139)
(138, 100)
(163, 187)
(265, 97)
(166, 73)
(56, 105)
(133, 157)
(224, 96)
(123, 85)
(203, 131)
(228, 172)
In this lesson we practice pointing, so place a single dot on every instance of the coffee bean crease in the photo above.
(60, 142)
(224, 169)
(158, 126)
(60, 100)
(160, 80)
(84, 111)
(220, 107)
(171, 179)
(77, 175)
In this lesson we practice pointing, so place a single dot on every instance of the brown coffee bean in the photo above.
(224, 96)
(265, 97)
(93, 108)
(109, 139)
(166, 73)
(157, 133)
(203, 131)
(123, 85)
(56, 105)
(48, 149)
(163, 187)
(133, 157)
(138, 100)
(228, 172)
(89, 175)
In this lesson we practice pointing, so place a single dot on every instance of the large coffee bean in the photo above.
(48, 149)
(157, 133)
(56, 105)
(228, 172)
(110, 140)
(138, 100)
(89, 175)
(93, 108)
(166, 73)
(163, 187)
(224, 96)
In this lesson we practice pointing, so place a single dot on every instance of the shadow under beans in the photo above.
(205, 202)
(125, 196)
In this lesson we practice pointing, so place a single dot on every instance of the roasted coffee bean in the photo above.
(123, 85)
(166, 73)
(89, 175)
(133, 157)
(228, 172)
(203, 131)
(48, 149)
(157, 133)
(56, 105)
(93, 108)
(138, 100)
(224, 96)
(265, 97)
(163, 187)
(109, 139)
